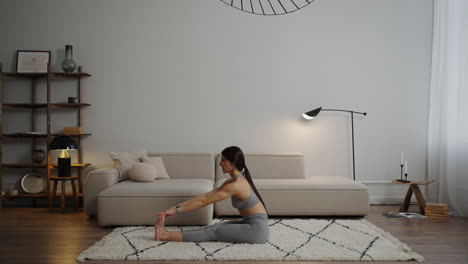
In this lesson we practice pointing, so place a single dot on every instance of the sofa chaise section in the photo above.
(280, 181)
(136, 203)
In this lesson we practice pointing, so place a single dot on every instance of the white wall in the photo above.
(201, 76)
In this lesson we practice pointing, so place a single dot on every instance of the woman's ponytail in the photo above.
(249, 179)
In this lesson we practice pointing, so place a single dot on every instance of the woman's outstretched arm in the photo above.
(223, 192)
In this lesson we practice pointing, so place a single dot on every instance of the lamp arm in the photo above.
(349, 111)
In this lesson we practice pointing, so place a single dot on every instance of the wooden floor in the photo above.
(34, 236)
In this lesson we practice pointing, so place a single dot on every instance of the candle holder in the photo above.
(401, 175)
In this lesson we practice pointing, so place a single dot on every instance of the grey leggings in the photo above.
(251, 229)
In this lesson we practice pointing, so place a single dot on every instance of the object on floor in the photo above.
(311, 114)
(434, 210)
(393, 215)
(413, 187)
(404, 215)
(290, 239)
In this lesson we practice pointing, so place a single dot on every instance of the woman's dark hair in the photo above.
(236, 156)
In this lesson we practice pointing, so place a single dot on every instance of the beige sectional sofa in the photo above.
(279, 177)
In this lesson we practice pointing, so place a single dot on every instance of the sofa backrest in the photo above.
(270, 166)
(180, 165)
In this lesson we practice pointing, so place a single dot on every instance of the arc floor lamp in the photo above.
(313, 113)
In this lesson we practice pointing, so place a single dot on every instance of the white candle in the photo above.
(406, 166)
(401, 158)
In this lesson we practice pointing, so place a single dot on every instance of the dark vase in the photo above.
(38, 156)
(68, 64)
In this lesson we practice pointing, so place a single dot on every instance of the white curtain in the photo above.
(448, 107)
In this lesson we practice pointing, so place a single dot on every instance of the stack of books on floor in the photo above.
(434, 210)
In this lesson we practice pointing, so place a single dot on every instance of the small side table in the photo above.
(413, 187)
(62, 195)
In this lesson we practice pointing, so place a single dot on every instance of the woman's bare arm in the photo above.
(223, 192)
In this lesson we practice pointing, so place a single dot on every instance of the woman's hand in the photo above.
(168, 212)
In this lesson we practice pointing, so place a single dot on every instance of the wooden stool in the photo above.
(413, 187)
(62, 195)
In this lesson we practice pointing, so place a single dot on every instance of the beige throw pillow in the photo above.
(157, 162)
(125, 160)
(142, 172)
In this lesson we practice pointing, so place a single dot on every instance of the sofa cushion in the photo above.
(163, 187)
(270, 166)
(123, 161)
(187, 165)
(158, 164)
(313, 183)
(142, 172)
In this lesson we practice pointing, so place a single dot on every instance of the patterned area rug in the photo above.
(290, 239)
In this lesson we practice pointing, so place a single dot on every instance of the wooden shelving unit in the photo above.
(49, 106)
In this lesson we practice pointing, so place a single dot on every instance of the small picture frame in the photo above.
(32, 61)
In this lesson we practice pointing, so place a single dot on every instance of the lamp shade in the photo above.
(63, 142)
(311, 114)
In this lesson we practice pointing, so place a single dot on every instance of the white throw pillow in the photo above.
(125, 160)
(157, 162)
(142, 172)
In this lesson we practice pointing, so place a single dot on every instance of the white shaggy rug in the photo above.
(290, 239)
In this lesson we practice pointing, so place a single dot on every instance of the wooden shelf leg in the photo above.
(75, 196)
(52, 196)
(406, 202)
(419, 198)
(62, 198)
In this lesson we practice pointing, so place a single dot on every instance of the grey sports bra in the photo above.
(247, 203)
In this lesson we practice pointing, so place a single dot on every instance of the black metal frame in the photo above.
(280, 7)
(352, 132)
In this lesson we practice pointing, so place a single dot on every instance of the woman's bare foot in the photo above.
(160, 233)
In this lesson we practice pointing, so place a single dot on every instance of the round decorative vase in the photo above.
(38, 156)
(68, 64)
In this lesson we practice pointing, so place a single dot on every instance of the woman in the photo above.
(253, 228)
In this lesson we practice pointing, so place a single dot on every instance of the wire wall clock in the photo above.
(268, 7)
